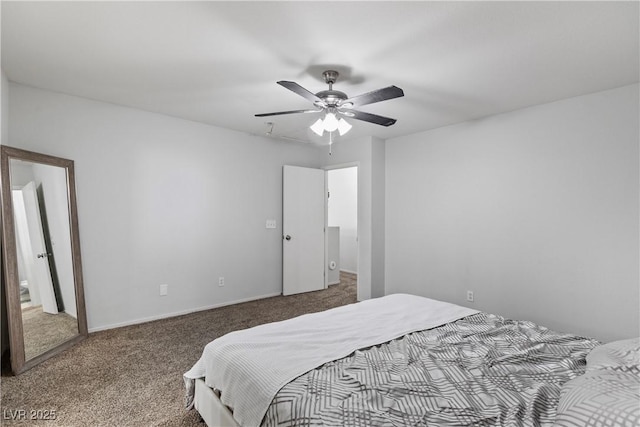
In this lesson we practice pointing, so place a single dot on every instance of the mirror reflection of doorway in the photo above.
(36, 281)
(47, 298)
(342, 212)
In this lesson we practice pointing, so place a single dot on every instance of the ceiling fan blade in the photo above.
(279, 113)
(371, 118)
(374, 96)
(295, 87)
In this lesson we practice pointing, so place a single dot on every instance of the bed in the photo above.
(402, 360)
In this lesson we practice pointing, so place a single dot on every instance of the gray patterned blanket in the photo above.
(482, 370)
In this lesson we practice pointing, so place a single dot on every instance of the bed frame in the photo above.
(211, 409)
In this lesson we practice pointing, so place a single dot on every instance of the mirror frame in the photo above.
(10, 259)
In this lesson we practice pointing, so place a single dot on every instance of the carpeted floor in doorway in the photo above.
(132, 376)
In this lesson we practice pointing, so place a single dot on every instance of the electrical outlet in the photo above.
(220, 281)
(470, 296)
(271, 223)
(164, 290)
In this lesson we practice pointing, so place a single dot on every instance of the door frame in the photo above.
(355, 164)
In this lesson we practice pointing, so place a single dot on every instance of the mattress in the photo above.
(248, 367)
(483, 370)
(395, 360)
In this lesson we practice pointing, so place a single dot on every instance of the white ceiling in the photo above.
(218, 62)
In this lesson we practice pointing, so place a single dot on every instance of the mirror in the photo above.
(41, 256)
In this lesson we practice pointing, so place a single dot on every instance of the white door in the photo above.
(303, 222)
(29, 227)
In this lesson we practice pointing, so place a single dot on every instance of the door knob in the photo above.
(287, 237)
(43, 255)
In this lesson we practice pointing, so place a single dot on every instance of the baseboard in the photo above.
(347, 271)
(333, 283)
(179, 313)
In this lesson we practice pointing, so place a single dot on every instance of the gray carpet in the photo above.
(132, 376)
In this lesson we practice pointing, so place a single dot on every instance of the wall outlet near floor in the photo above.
(220, 281)
(271, 223)
(164, 289)
(470, 296)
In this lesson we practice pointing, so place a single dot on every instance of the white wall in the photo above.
(535, 210)
(343, 213)
(162, 201)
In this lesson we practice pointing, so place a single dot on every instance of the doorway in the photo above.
(342, 220)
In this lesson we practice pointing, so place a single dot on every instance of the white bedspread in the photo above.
(250, 366)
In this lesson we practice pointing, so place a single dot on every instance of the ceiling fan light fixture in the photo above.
(343, 126)
(330, 122)
(317, 127)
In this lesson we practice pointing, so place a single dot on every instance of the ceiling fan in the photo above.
(335, 104)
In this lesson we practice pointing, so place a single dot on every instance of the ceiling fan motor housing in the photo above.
(331, 97)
